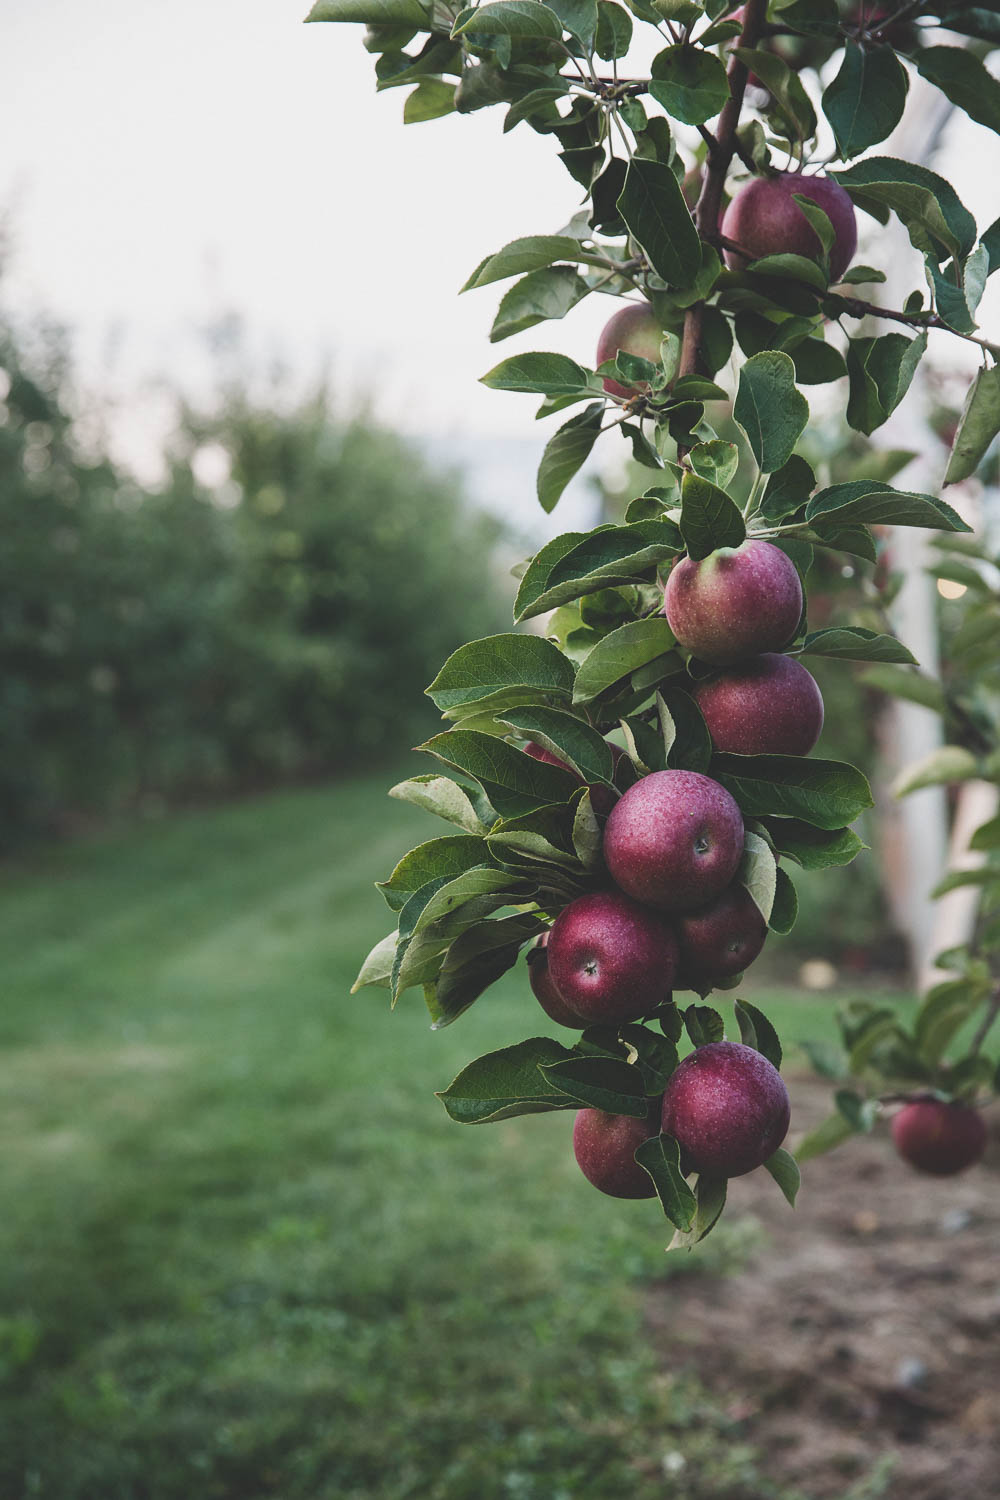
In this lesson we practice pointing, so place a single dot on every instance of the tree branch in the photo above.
(717, 164)
(856, 307)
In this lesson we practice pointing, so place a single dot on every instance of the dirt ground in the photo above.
(867, 1324)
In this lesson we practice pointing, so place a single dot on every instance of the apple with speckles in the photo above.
(728, 1109)
(610, 959)
(734, 603)
(544, 989)
(720, 941)
(674, 840)
(768, 705)
(764, 219)
(605, 1147)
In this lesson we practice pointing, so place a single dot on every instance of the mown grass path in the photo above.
(244, 1253)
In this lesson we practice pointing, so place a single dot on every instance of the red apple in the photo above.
(635, 329)
(674, 840)
(544, 989)
(764, 219)
(719, 942)
(769, 705)
(610, 959)
(728, 1109)
(737, 602)
(605, 1147)
(938, 1137)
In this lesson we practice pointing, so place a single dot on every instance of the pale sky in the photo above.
(164, 164)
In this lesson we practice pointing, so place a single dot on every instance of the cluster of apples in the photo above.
(675, 916)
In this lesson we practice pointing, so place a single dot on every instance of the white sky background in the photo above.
(166, 164)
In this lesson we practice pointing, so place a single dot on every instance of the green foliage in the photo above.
(159, 644)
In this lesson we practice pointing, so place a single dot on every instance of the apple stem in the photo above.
(717, 163)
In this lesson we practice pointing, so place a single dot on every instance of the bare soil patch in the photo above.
(866, 1326)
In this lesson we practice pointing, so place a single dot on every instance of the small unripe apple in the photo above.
(605, 1147)
(938, 1137)
(769, 705)
(674, 840)
(734, 603)
(728, 1109)
(764, 219)
(635, 329)
(611, 959)
(719, 942)
(544, 989)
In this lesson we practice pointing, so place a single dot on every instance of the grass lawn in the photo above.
(244, 1253)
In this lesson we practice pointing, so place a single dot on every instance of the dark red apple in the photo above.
(719, 942)
(938, 1137)
(769, 705)
(635, 329)
(734, 603)
(611, 959)
(544, 990)
(764, 219)
(674, 840)
(605, 1147)
(728, 1109)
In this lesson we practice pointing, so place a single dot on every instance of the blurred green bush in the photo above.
(164, 643)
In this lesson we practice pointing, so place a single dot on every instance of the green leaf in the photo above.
(709, 518)
(834, 1131)
(545, 374)
(985, 875)
(475, 960)
(977, 426)
(537, 838)
(704, 1025)
(440, 795)
(986, 836)
(787, 489)
(657, 216)
(786, 904)
(598, 560)
(859, 1113)
(825, 793)
(710, 1193)
(865, 101)
(686, 739)
(756, 1031)
(372, 12)
(790, 267)
(588, 840)
(549, 293)
(785, 1170)
(935, 219)
(501, 671)
(447, 856)
(586, 752)
(758, 873)
(621, 653)
(785, 86)
(944, 1012)
(880, 371)
(566, 452)
(852, 643)
(901, 682)
(715, 461)
(579, 18)
(614, 30)
(961, 76)
(661, 1157)
(533, 253)
(377, 967)
(769, 408)
(507, 1083)
(941, 767)
(514, 782)
(872, 503)
(813, 848)
(601, 1083)
(429, 101)
(515, 18)
(472, 895)
(690, 83)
